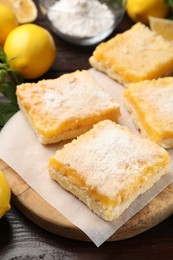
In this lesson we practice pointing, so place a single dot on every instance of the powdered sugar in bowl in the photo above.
(83, 22)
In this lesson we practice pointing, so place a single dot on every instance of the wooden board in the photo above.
(47, 217)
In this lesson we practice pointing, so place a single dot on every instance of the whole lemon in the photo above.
(5, 195)
(8, 22)
(31, 50)
(140, 10)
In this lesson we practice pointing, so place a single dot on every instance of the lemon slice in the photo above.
(5, 195)
(162, 26)
(25, 10)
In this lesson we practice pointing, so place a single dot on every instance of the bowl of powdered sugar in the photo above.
(83, 22)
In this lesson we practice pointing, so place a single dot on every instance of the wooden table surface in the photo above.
(21, 239)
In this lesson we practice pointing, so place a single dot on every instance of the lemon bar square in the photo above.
(65, 107)
(151, 106)
(134, 55)
(108, 167)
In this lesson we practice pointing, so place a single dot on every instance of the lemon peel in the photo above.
(5, 195)
(31, 50)
(140, 10)
(8, 22)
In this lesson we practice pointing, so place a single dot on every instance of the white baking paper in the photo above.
(21, 150)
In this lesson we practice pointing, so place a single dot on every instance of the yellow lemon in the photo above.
(162, 26)
(25, 10)
(140, 10)
(8, 22)
(31, 50)
(5, 195)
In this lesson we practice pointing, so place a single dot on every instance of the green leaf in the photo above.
(16, 76)
(10, 91)
(9, 79)
(4, 66)
(3, 56)
(169, 2)
(2, 87)
(7, 110)
(3, 75)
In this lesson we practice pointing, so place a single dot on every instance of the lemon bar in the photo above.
(108, 167)
(65, 107)
(151, 106)
(134, 55)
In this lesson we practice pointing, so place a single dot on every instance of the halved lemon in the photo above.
(162, 26)
(25, 10)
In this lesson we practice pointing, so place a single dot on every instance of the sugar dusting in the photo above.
(108, 155)
(76, 95)
(53, 99)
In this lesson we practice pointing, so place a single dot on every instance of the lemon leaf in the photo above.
(3, 57)
(9, 79)
(3, 74)
(7, 110)
(16, 76)
(9, 91)
(169, 2)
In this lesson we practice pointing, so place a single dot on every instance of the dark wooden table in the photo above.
(21, 239)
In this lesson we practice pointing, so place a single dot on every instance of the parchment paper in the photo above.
(21, 150)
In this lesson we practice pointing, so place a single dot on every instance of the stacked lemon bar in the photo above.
(106, 166)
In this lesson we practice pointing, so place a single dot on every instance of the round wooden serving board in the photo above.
(47, 217)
